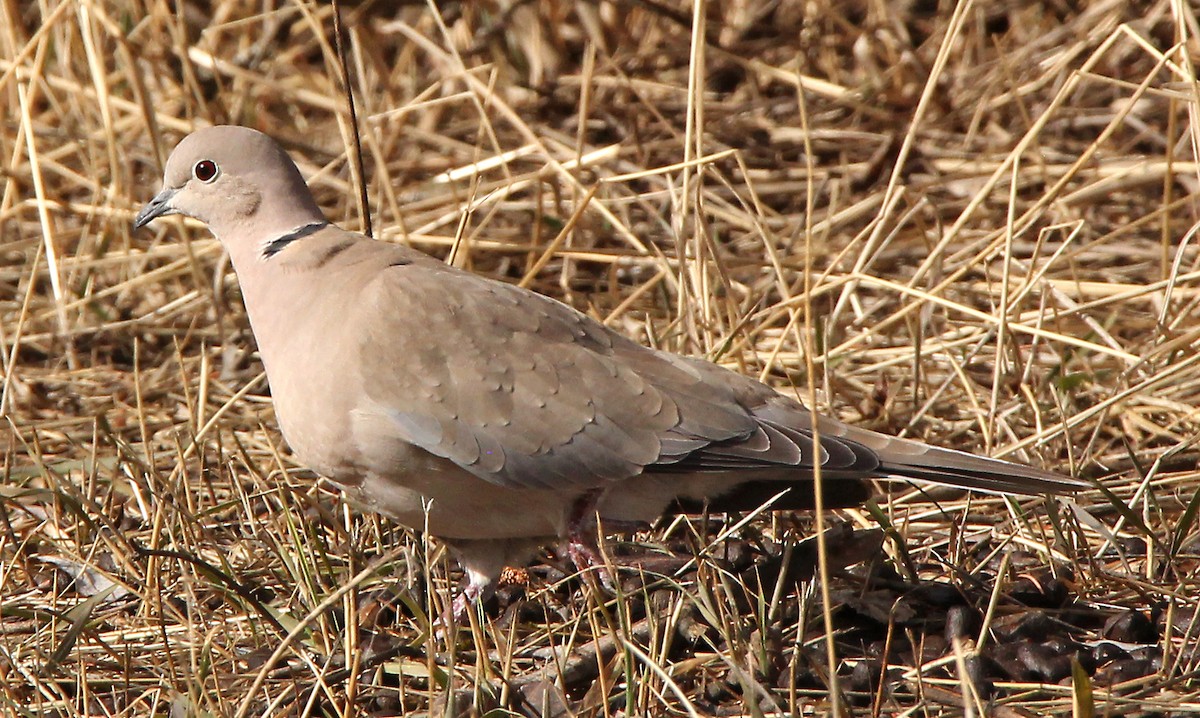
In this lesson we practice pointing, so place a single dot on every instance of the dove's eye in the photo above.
(205, 170)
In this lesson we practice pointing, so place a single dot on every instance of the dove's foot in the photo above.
(583, 535)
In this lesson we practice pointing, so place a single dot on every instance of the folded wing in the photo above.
(525, 392)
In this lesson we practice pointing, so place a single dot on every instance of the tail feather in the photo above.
(785, 448)
(908, 459)
(989, 482)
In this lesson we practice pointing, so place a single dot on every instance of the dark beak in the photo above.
(157, 207)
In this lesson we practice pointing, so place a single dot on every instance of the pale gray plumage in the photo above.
(489, 413)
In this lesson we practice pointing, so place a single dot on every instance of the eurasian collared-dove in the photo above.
(497, 418)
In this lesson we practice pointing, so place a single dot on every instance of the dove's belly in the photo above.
(432, 494)
(437, 496)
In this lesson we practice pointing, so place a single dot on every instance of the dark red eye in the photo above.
(205, 170)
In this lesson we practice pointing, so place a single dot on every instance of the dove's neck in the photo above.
(274, 289)
(255, 241)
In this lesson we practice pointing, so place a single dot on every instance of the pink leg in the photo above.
(472, 592)
(582, 534)
(482, 563)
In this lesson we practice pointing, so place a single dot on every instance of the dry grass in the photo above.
(996, 205)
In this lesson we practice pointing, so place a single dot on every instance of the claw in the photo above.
(587, 558)
(462, 603)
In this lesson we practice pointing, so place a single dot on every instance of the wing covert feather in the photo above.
(524, 391)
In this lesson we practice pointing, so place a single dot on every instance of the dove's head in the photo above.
(236, 180)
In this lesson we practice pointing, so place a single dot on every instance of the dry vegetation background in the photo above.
(997, 204)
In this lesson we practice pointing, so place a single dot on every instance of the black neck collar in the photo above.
(276, 245)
